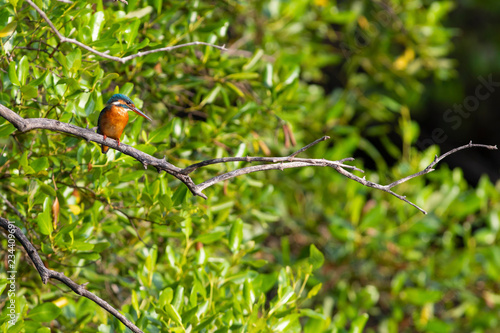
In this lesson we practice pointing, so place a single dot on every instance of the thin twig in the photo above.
(310, 161)
(266, 167)
(123, 60)
(21, 216)
(14, 209)
(47, 274)
(130, 219)
(276, 163)
(290, 157)
(439, 159)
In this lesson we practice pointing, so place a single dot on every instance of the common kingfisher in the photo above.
(114, 117)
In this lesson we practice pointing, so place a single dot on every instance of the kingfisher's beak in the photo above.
(140, 113)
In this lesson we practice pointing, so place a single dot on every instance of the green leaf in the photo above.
(23, 161)
(82, 246)
(268, 76)
(420, 296)
(178, 298)
(95, 25)
(13, 75)
(288, 323)
(293, 76)
(44, 219)
(132, 32)
(314, 291)
(74, 59)
(148, 149)
(248, 294)
(49, 190)
(316, 258)
(254, 60)
(6, 129)
(236, 235)
(160, 134)
(23, 69)
(40, 164)
(287, 294)
(131, 176)
(188, 227)
(180, 195)
(127, 88)
(109, 78)
(90, 106)
(209, 99)
(210, 237)
(312, 314)
(187, 315)
(47, 249)
(44, 312)
(91, 256)
(139, 13)
(173, 314)
(29, 92)
(135, 301)
(166, 296)
(151, 259)
(103, 43)
(8, 29)
(235, 89)
(205, 323)
(243, 76)
(20, 324)
(3, 284)
(99, 247)
(359, 323)
(158, 5)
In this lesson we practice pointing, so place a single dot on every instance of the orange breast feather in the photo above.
(112, 122)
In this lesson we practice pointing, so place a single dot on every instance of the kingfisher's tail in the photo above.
(104, 149)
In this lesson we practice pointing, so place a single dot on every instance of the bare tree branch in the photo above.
(438, 159)
(275, 163)
(47, 274)
(123, 60)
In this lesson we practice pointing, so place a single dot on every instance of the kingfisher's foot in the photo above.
(105, 136)
(118, 140)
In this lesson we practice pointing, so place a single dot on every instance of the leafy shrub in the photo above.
(299, 250)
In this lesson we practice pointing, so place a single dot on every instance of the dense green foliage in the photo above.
(281, 251)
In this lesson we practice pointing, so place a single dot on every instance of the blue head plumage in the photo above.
(117, 97)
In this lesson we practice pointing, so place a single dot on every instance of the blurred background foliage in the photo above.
(301, 250)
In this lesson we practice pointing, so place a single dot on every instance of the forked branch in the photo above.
(123, 60)
(47, 274)
(266, 163)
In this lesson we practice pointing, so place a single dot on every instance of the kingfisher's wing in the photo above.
(99, 124)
